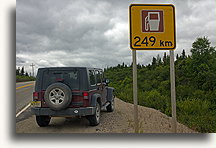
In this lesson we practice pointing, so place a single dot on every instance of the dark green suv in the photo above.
(71, 91)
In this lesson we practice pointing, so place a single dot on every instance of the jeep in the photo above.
(71, 91)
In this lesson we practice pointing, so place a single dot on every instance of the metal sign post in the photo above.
(152, 27)
(173, 92)
(136, 121)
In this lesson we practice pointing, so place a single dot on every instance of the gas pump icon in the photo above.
(152, 21)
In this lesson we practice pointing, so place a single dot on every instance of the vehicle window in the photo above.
(98, 76)
(102, 75)
(92, 77)
(70, 78)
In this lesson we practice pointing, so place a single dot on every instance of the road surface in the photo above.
(119, 121)
(24, 92)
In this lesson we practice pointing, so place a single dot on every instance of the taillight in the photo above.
(85, 95)
(35, 95)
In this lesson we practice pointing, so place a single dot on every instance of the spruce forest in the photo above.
(22, 76)
(195, 85)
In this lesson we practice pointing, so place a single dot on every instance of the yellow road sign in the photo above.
(152, 27)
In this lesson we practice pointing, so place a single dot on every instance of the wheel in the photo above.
(58, 96)
(95, 119)
(110, 107)
(43, 121)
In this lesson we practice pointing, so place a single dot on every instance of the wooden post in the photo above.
(136, 121)
(173, 91)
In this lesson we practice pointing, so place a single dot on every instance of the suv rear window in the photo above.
(70, 78)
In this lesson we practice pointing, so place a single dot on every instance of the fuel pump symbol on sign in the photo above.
(152, 21)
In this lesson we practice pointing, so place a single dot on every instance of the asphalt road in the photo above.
(24, 92)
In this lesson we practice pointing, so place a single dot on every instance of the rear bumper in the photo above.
(66, 112)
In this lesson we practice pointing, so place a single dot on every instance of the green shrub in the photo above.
(24, 78)
(153, 99)
(196, 114)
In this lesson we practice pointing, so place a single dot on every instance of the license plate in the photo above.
(36, 104)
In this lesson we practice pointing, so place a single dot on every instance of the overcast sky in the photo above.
(95, 33)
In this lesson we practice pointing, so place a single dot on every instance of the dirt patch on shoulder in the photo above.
(150, 120)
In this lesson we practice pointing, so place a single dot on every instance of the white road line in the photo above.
(25, 108)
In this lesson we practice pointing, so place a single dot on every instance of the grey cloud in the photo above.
(95, 33)
(195, 18)
(20, 60)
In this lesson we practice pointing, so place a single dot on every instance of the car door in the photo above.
(101, 86)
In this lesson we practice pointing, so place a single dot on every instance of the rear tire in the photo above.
(95, 119)
(43, 121)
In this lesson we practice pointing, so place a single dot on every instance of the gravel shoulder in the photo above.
(119, 121)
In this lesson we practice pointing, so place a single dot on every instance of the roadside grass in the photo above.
(24, 78)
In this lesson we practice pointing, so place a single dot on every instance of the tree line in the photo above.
(21, 72)
(22, 75)
(195, 85)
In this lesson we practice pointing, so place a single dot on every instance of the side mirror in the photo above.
(107, 81)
